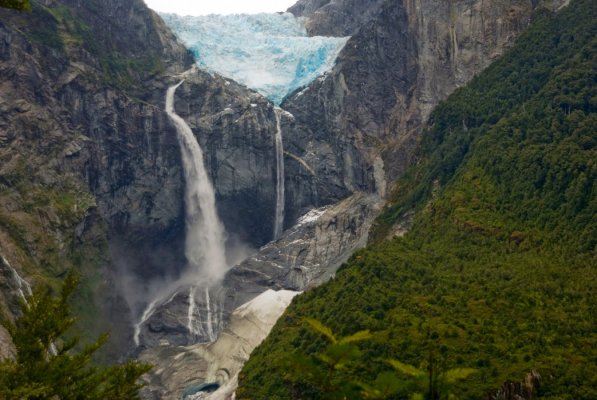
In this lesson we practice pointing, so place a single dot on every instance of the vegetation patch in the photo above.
(499, 270)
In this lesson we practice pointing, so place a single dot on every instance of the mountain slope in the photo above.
(80, 133)
(499, 270)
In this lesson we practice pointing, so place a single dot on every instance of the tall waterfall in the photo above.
(205, 237)
(279, 221)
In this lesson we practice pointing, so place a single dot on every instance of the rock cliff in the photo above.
(307, 254)
(400, 62)
(90, 163)
(336, 17)
(90, 170)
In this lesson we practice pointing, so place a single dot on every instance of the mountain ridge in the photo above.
(495, 273)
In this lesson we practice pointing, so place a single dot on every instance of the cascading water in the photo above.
(205, 240)
(279, 220)
(205, 235)
(210, 319)
(146, 314)
(23, 286)
(191, 326)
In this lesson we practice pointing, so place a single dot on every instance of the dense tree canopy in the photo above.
(22, 5)
(499, 270)
(47, 365)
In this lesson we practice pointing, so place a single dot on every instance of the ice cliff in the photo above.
(270, 53)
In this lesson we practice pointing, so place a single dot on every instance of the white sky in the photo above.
(204, 7)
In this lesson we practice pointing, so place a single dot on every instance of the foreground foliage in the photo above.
(22, 5)
(499, 271)
(46, 365)
(322, 372)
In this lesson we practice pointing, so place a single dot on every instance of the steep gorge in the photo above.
(498, 269)
(91, 174)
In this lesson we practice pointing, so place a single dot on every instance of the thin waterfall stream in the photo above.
(279, 220)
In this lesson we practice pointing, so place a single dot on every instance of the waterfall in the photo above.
(23, 287)
(24, 290)
(205, 237)
(210, 328)
(146, 314)
(279, 221)
(191, 311)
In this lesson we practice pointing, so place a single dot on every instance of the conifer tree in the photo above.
(22, 5)
(46, 364)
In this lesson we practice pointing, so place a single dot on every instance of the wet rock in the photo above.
(307, 254)
(179, 368)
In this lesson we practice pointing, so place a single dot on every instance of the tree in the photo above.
(432, 384)
(46, 364)
(22, 5)
(323, 371)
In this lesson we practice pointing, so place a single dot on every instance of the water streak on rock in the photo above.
(279, 221)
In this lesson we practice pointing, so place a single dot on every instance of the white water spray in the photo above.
(205, 235)
(146, 314)
(205, 240)
(279, 221)
(191, 312)
(210, 328)
(23, 286)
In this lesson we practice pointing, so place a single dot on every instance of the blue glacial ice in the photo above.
(270, 53)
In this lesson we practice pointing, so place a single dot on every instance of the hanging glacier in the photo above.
(270, 53)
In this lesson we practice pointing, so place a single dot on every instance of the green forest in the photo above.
(499, 271)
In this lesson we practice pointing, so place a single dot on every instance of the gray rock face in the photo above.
(88, 157)
(336, 17)
(407, 57)
(87, 154)
(308, 254)
(235, 128)
(182, 368)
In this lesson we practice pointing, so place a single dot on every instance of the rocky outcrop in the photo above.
(526, 390)
(90, 163)
(336, 17)
(308, 254)
(182, 370)
(396, 67)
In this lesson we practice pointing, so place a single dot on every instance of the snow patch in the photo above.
(268, 306)
(311, 216)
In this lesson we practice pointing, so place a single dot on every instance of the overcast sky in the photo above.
(203, 7)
